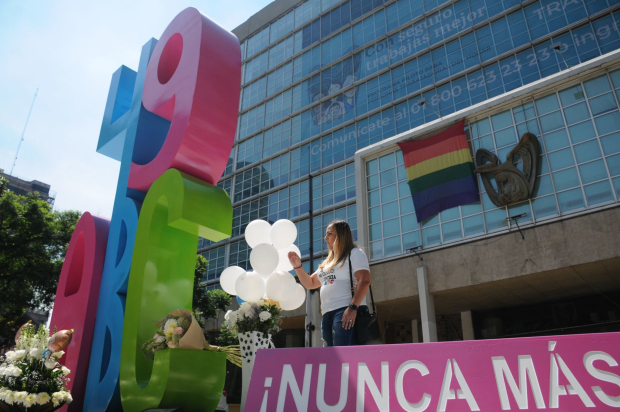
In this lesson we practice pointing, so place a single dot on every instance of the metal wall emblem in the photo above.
(513, 185)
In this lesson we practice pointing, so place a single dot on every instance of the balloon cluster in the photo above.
(269, 278)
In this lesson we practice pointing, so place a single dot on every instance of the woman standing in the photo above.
(338, 307)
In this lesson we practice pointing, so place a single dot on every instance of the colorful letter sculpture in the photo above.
(171, 125)
(191, 81)
(118, 134)
(78, 294)
(177, 209)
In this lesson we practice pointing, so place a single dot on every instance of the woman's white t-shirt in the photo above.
(336, 282)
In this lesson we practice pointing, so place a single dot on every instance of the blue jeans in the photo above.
(333, 332)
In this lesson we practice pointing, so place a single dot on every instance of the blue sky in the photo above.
(70, 50)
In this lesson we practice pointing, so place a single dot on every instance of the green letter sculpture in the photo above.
(176, 211)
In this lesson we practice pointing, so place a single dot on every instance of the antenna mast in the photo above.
(24, 132)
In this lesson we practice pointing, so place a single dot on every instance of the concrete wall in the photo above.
(271, 12)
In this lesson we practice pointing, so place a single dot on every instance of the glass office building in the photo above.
(323, 80)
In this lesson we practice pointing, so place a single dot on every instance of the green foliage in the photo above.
(207, 304)
(33, 243)
(226, 337)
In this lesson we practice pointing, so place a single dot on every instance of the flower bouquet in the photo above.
(180, 329)
(31, 379)
(263, 316)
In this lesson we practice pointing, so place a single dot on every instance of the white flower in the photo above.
(19, 354)
(227, 315)
(58, 354)
(35, 353)
(2, 370)
(246, 310)
(43, 398)
(260, 302)
(67, 397)
(65, 371)
(50, 363)
(3, 393)
(171, 323)
(9, 399)
(232, 319)
(13, 371)
(20, 396)
(264, 315)
(30, 400)
(10, 355)
(58, 398)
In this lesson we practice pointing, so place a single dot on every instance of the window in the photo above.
(277, 138)
(299, 198)
(240, 255)
(303, 237)
(280, 52)
(256, 67)
(335, 19)
(258, 42)
(253, 93)
(282, 26)
(333, 187)
(279, 79)
(216, 262)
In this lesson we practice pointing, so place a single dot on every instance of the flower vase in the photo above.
(249, 343)
(48, 407)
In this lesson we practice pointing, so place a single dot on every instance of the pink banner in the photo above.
(566, 373)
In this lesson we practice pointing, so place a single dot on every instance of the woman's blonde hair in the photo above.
(343, 245)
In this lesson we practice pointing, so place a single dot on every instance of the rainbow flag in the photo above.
(440, 172)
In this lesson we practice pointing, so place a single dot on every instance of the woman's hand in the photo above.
(348, 318)
(294, 259)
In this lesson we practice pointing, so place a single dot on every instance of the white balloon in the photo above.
(265, 277)
(229, 277)
(257, 232)
(283, 233)
(290, 284)
(264, 259)
(295, 300)
(250, 287)
(280, 285)
(284, 264)
(274, 287)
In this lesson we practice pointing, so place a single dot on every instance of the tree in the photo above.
(207, 304)
(226, 337)
(33, 243)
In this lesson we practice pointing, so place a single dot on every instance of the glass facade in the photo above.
(331, 77)
(579, 132)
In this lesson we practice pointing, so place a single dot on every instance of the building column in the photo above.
(414, 331)
(427, 307)
(313, 315)
(467, 325)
